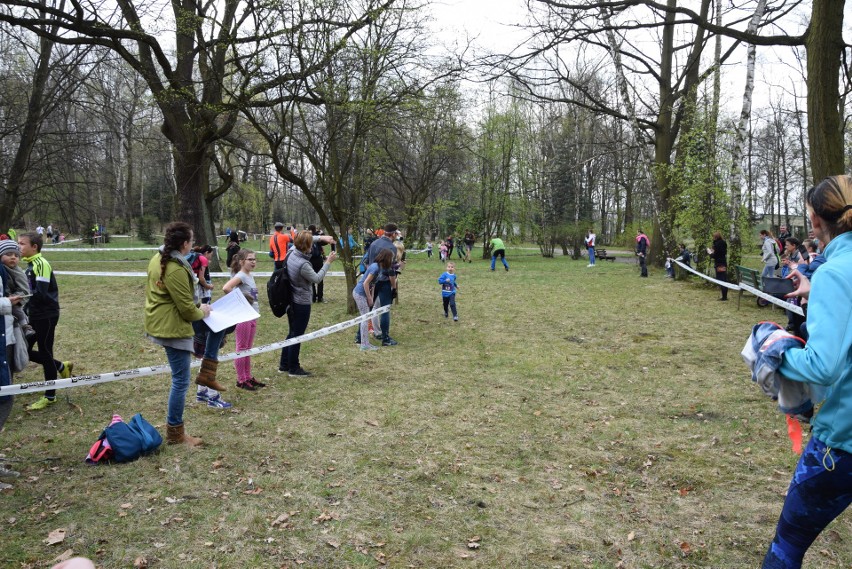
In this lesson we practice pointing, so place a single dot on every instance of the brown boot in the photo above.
(207, 375)
(175, 436)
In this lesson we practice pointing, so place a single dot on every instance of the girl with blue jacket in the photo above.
(821, 488)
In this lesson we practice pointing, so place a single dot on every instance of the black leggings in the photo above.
(722, 276)
(44, 337)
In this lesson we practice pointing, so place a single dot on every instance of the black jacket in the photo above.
(720, 253)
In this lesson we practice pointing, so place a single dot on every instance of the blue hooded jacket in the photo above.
(827, 357)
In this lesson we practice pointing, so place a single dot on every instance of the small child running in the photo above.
(242, 266)
(449, 287)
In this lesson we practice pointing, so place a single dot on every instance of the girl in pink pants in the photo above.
(242, 266)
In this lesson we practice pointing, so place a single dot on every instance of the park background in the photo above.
(679, 118)
(573, 417)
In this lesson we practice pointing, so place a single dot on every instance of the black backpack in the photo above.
(279, 292)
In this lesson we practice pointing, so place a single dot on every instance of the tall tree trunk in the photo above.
(32, 125)
(824, 44)
(803, 152)
(734, 236)
(192, 177)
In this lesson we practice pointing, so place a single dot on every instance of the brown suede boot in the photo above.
(175, 436)
(207, 375)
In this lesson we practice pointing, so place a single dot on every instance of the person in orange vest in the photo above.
(279, 243)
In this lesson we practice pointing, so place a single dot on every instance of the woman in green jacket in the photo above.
(170, 308)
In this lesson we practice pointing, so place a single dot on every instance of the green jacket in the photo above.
(497, 244)
(170, 308)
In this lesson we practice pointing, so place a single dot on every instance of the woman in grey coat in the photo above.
(302, 275)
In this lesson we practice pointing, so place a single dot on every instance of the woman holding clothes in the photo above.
(7, 343)
(719, 254)
(302, 275)
(170, 310)
(821, 488)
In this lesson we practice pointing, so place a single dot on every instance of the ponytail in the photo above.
(177, 233)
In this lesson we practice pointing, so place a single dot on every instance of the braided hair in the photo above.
(177, 233)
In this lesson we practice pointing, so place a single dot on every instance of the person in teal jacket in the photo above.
(498, 249)
(821, 488)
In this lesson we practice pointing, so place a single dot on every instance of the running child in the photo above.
(242, 266)
(449, 287)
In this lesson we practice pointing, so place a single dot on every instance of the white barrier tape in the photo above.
(36, 386)
(63, 242)
(774, 300)
(731, 286)
(742, 286)
(106, 249)
(139, 274)
(110, 249)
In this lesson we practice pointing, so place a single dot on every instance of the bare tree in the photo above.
(216, 67)
(320, 142)
(50, 82)
(420, 146)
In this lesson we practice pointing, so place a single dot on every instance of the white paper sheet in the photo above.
(233, 308)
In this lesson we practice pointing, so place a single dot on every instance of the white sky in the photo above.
(489, 20)
(490, 23)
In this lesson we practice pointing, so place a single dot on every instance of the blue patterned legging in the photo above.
(819, 492)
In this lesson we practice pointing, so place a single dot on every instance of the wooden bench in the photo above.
(752, 278)
(601, 254)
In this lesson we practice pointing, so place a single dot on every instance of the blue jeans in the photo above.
(5, 373)
(384, 297)
(450, 302)
(179, 361)
(212, 340)
(768, 271)
(5, 379)
(816, 496)
(592, 255)
(298, 317)
(362, 332)
(502, 254)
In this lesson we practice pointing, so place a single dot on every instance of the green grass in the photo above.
(573, 418)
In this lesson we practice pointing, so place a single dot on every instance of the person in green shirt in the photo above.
(170, 310)
(498, 249)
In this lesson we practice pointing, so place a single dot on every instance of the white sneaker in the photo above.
(589, 265)
(6, 472)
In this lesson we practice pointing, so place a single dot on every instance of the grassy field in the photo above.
(573, 417)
